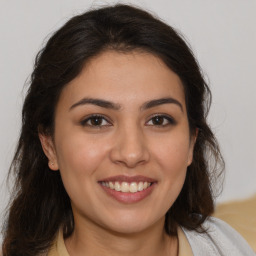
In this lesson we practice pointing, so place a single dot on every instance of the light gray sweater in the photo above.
(220, 240)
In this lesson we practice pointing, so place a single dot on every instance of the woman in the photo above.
(113, 156)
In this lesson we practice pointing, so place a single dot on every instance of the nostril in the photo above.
(129, 155)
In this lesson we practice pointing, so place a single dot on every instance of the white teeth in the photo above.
(117, 186)
(111, 185)
(133, 187)
(140, 186)
(125, 187)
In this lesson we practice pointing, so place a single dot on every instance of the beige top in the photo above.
(59, 248)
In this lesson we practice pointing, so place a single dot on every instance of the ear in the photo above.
(49, 151)
(193, 139)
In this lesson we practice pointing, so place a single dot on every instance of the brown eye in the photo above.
(95, 121)
(161, 120)
(158, 120)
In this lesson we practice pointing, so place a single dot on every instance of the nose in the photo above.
(130, 148)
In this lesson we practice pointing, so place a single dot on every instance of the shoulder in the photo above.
(241, 215)
(219, 239)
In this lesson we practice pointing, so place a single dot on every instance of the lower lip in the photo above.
(129, 197)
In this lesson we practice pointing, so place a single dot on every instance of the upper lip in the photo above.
(129, 179)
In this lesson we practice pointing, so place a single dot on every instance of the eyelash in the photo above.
(90, 118)
(167, 121)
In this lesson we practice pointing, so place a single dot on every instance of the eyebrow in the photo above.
(97, 102)
(115, 106)
(157, 102)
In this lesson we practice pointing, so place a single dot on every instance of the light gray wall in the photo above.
(222, 34)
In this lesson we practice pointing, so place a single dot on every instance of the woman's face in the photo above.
(122, 125)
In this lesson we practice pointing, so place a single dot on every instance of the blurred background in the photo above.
(221, 34)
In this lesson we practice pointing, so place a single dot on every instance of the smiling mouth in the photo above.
(126, 187)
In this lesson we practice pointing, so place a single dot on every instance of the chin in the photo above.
(128, 229)
(130, 224)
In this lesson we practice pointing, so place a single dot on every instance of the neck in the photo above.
(94, 240)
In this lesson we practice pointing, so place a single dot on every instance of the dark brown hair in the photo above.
(40, 204)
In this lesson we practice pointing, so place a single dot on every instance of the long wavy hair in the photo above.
(40, 204)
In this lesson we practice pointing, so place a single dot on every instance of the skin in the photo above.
(127, 141)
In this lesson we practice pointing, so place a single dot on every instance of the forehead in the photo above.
(124, 78)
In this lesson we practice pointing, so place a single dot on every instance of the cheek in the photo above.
(79, 156)
(171, 157)
(173, 163)
(78, 163)
(172, 153)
